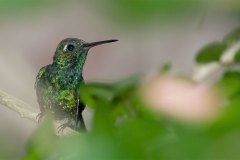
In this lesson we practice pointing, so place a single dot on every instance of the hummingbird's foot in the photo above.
(67, 123)
(39, 117)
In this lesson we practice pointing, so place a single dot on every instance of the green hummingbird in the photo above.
(57, 84)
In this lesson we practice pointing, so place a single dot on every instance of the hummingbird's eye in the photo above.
(70, 47)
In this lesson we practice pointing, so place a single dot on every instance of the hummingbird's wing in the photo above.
(40, 73)
(38, 87)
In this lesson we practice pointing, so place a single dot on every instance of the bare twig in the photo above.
(229, 54)
(26, 111)
(201, 72)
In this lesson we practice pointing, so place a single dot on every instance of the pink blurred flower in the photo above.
(181, 99)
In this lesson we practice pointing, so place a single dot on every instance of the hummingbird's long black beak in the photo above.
(93, 44)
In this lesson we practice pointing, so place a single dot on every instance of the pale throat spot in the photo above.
(65, 48)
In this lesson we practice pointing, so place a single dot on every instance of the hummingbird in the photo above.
(57, 84)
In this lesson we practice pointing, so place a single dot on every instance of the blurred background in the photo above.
(150, 32)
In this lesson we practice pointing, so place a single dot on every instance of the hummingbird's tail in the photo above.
(80, 123)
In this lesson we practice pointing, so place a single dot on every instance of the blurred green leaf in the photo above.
(228, 121)
(229, 85)
(8, 147)
(139, 13)
(165, 68)
(125, 86)
(88, 147)
(190, 143)
(237, 57)
(141, 135)
(42, 142)
(210, 53)
(225, 148)
(92, 93)
(18, 7)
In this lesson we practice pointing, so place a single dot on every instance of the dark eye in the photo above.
(70, 47)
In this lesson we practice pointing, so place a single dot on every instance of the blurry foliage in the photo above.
(136, 13)
(124, 127)
(213, 51)
(229, 84)
(165, 68)
(139, 13)
(43, 141)
(126, 13)
(8, 147)
(18, 7)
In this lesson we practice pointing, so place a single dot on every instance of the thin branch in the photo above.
(26, 111)
(229, 54)
(202, 72)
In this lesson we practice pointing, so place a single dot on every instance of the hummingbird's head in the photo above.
(73, 51)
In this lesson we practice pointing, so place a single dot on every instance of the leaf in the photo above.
(141, 135)
(229, 120)
(125, 86)
(23, 7)
(9, 146)
(211, 53)
(229, 85)
(165, 68)
(135, 14)
(237, 57)
(225, 148)
(93, 94)
(89, 146)
(42, 142)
